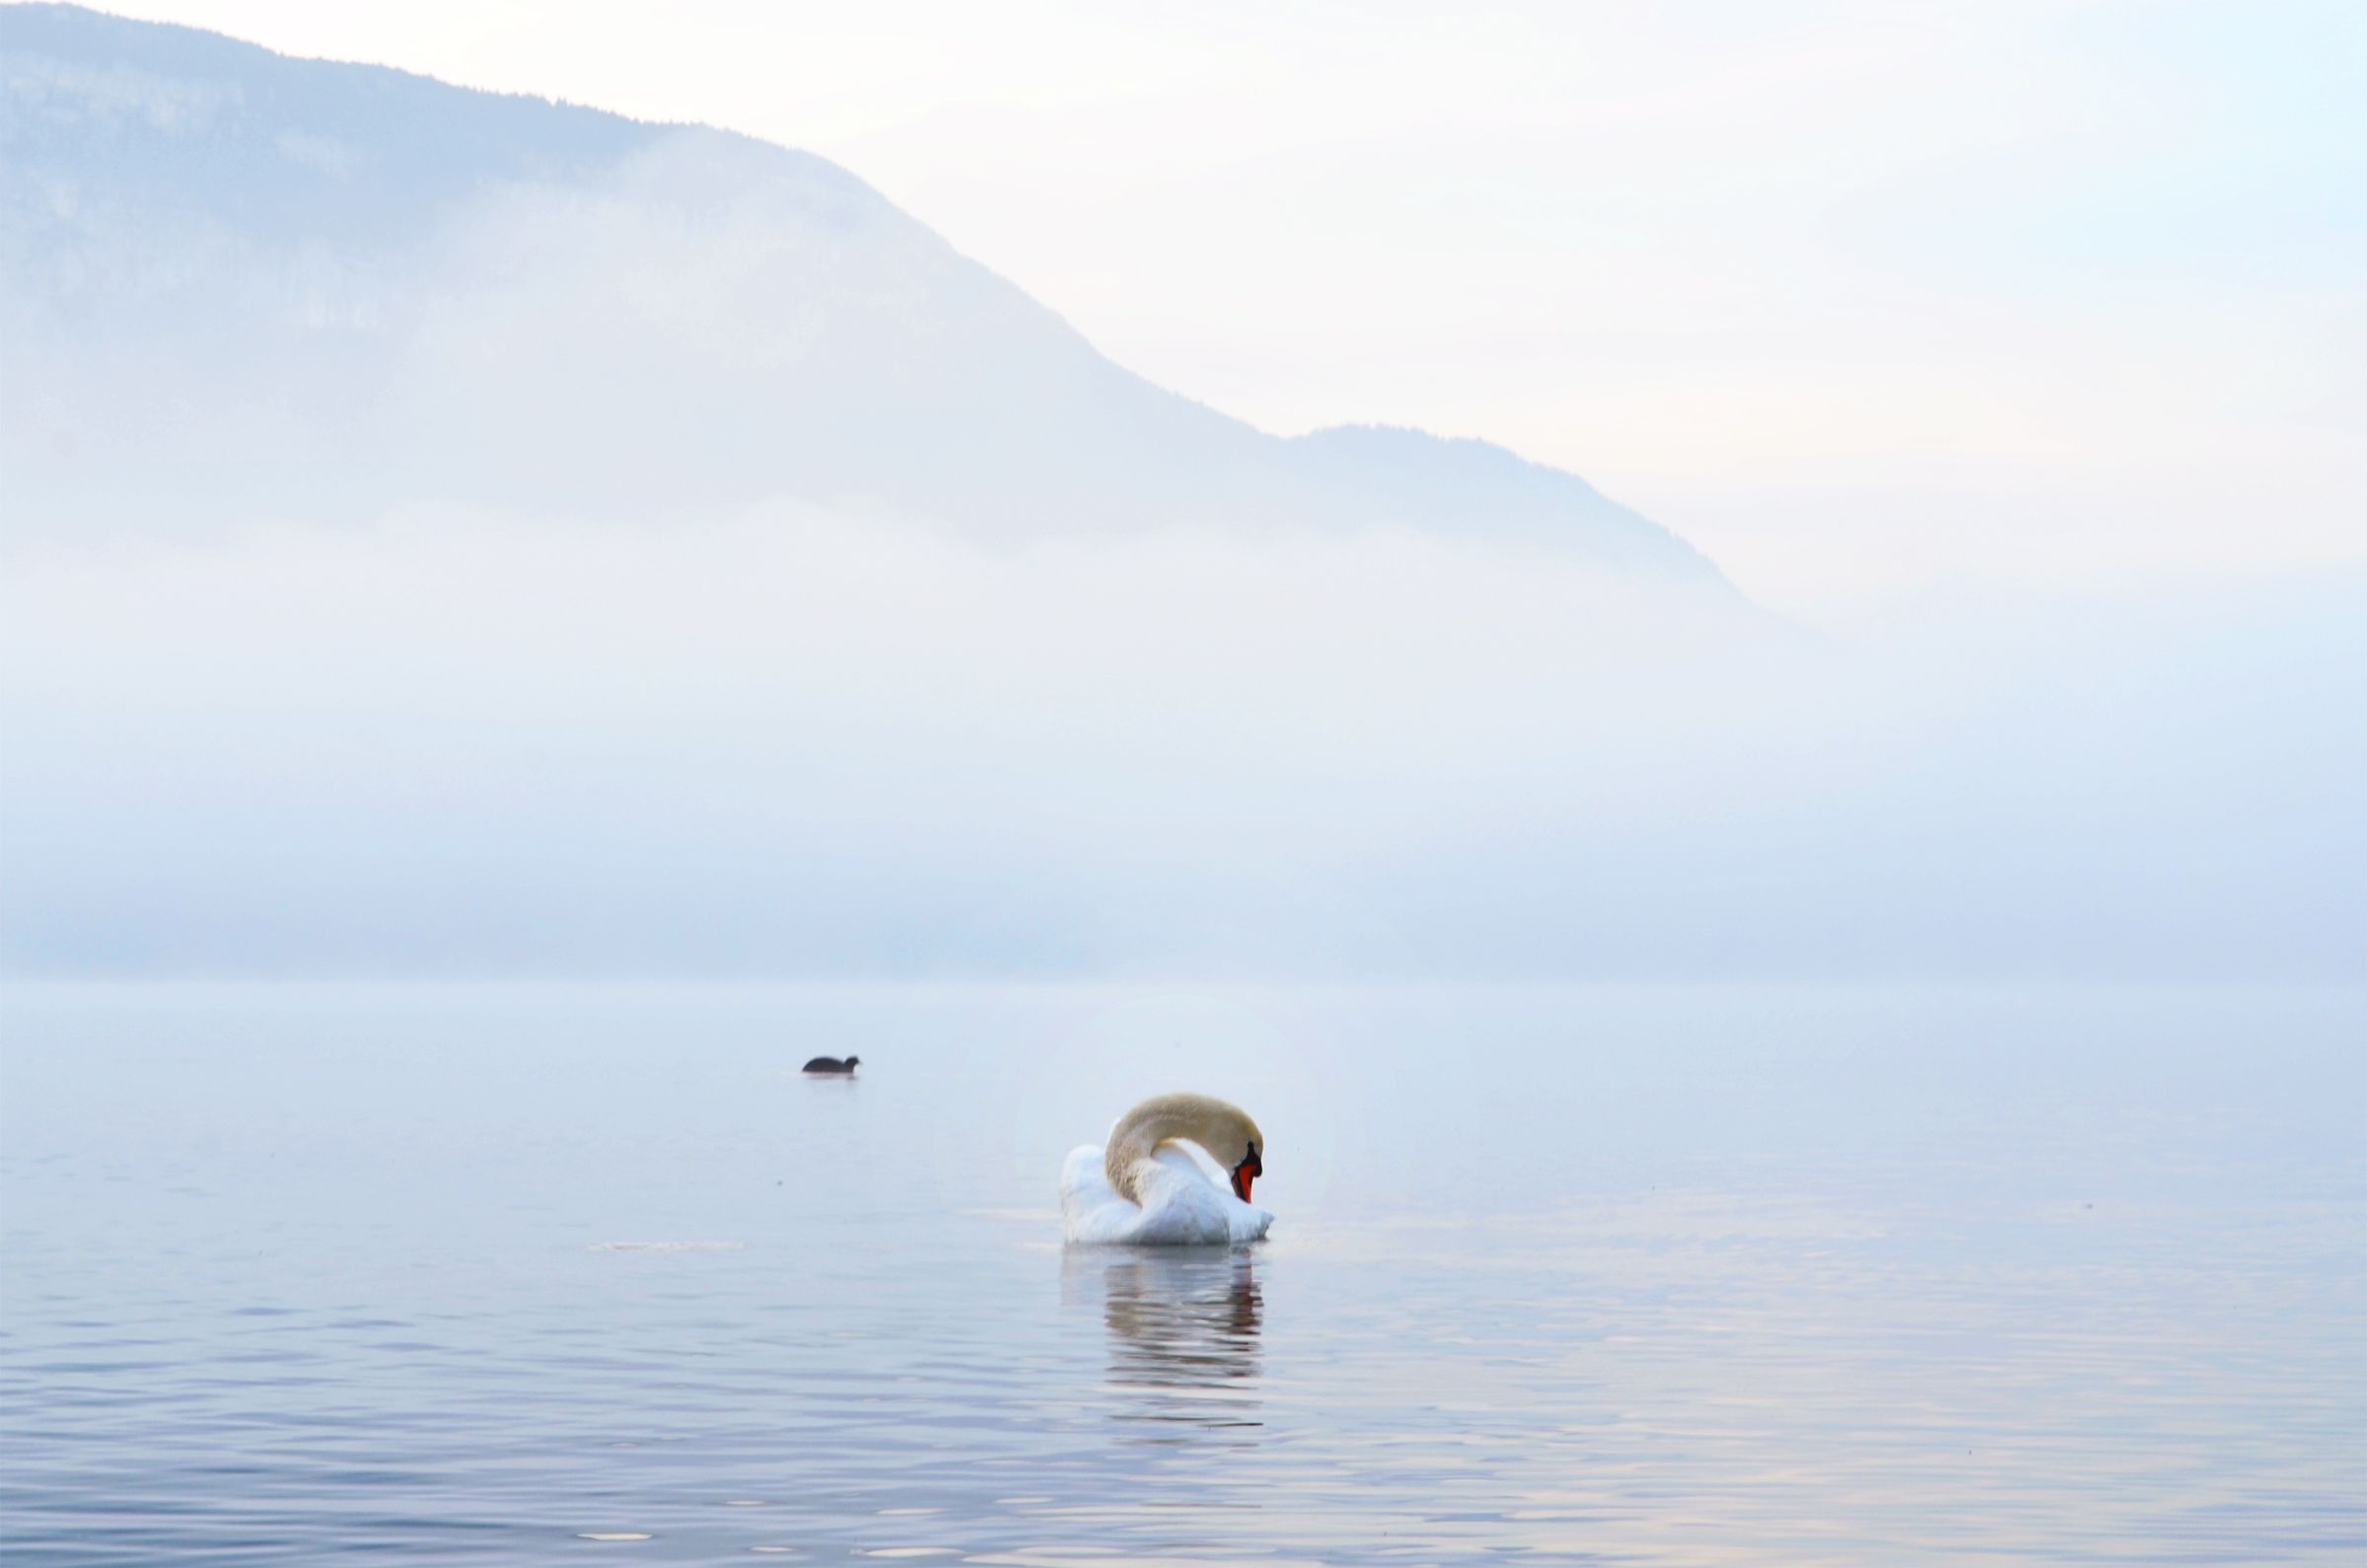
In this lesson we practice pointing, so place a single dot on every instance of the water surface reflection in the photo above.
(1183, 1326)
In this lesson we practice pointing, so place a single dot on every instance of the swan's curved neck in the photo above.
(1221, 1129)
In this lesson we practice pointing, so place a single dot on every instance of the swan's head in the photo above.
(1250, 1166)
(1227, 1132)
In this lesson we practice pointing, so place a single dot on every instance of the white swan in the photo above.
(1151, 1186)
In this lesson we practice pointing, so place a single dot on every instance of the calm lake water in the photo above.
(1650, 1276)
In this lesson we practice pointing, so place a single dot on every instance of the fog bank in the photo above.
(788, 742)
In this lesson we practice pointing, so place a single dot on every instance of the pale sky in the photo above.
(1865, 299)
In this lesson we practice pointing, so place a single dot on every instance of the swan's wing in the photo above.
(1090, 1208)
(1082, 1174)
(1180, 1206)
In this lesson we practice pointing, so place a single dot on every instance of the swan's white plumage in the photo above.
(1185, 1202)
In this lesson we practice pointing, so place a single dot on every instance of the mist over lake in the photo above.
(795, 744)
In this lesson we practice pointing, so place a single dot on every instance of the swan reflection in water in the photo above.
(1183, 1328)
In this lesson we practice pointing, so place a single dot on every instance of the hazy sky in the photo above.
(1858, 296)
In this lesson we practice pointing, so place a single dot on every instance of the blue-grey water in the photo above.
(1646, 1276)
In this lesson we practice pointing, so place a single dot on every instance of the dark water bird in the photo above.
(831, 1064)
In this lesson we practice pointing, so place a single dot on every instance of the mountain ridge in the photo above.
(335, 287)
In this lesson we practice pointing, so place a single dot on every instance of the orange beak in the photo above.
(1243, 1175)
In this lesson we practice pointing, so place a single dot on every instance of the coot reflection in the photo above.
(1182, 1327)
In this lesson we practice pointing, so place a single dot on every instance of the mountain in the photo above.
(236, 285)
